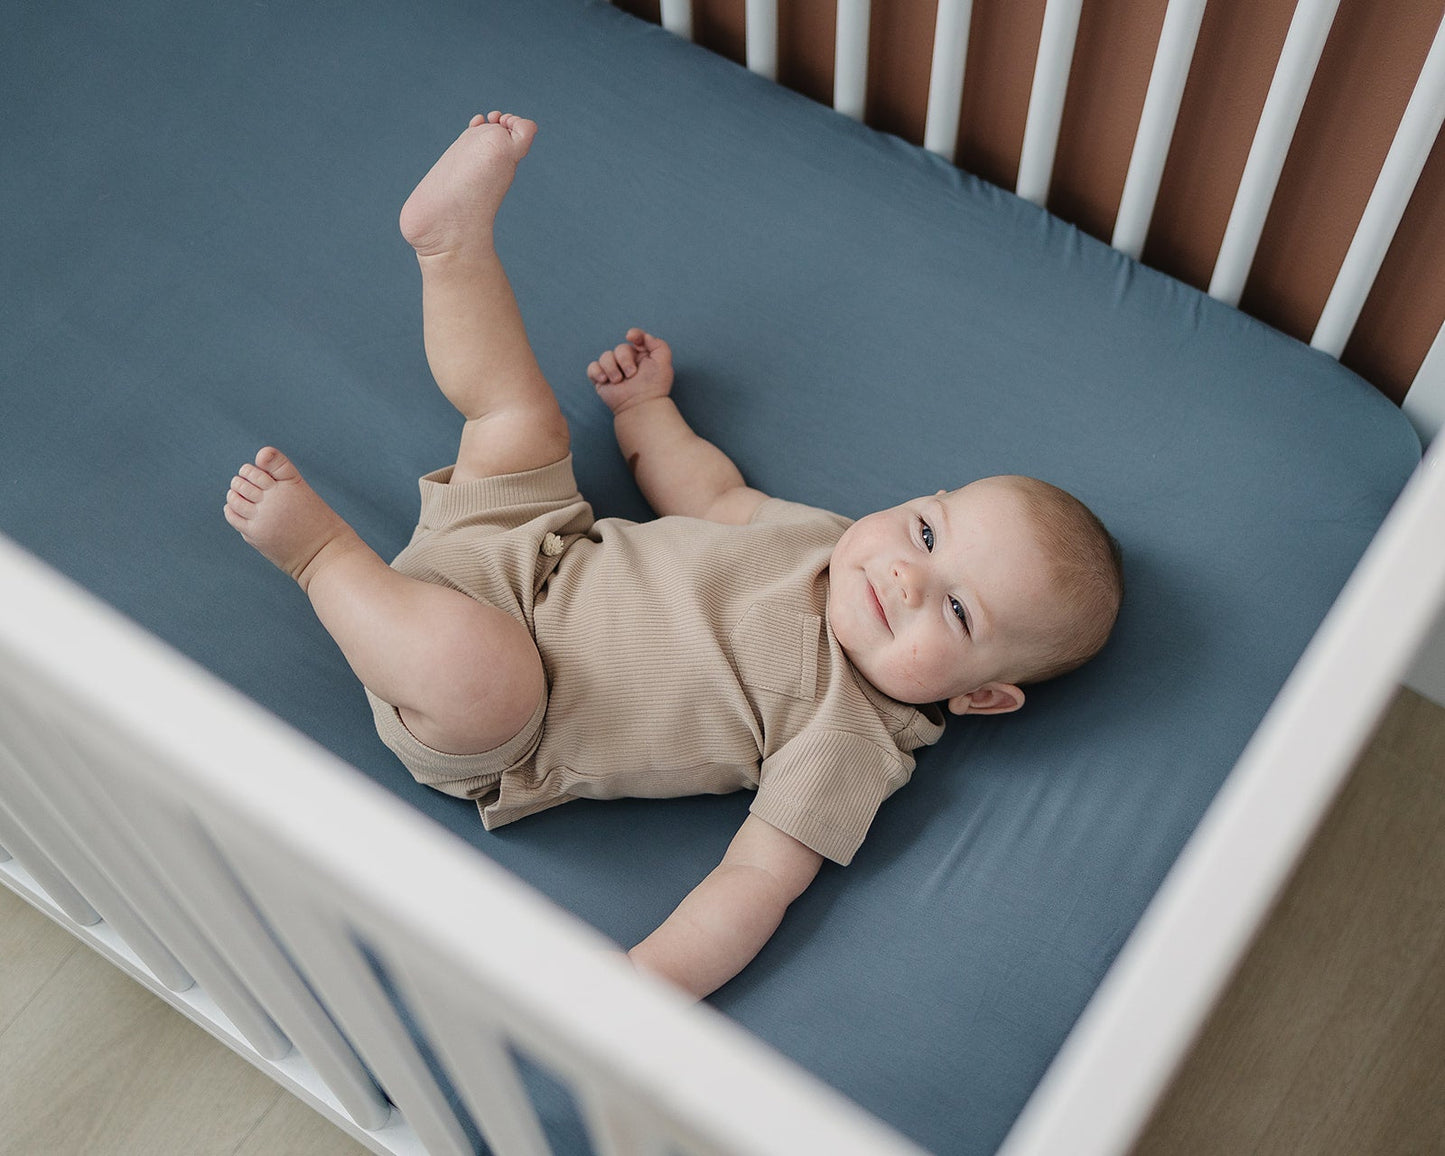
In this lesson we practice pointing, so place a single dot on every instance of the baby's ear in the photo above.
(991, 698)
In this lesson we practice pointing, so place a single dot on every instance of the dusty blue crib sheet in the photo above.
(197, 206)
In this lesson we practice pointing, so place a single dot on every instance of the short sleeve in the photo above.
(779, 511)
(824, 787)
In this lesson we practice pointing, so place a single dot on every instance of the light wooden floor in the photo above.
(1331, 1040)
(92, 1064)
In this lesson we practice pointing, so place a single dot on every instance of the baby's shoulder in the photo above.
(781, 511)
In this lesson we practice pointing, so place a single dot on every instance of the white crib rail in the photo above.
(1177, 41)
(1419, 126)
(850, 68)
(1046, 99)
(762, 37)
(945, 77)
(1303, 45)
(311, 905)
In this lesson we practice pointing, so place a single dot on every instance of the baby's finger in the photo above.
(626, 359)
(653, 345)
(595, 374)
(608, 362)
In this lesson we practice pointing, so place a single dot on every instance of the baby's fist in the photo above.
(637, 370)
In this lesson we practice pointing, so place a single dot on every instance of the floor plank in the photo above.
(291, 1128)
(32, 948)
(92, 1062)
(1330, 1040)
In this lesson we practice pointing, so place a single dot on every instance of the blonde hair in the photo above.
(1088, 577)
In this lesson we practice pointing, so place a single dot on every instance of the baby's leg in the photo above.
(466, 677)
(475, 340)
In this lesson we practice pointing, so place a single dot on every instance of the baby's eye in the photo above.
(957, 607)
(926, 532)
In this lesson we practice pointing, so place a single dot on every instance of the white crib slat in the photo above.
(472, 1048)
(619, 1126)
(850, 62)
(38, 865)
(205, 883)
(173, 942)
(1425, 402)
(1303, 44)
(1177, 40)
(49, 829)
(945, 78)
(1046, 100)
(1418, 129)
(162, 829)
(762, 37)
(677, 17)
(324, 948)
(180, 930)
(127, 855)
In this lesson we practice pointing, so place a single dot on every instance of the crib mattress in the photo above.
(197, 212)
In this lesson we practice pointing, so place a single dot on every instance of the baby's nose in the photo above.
(907, 579)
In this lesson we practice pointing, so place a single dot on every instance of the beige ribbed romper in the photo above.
(683, 657)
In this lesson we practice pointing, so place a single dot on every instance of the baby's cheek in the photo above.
(934, 666)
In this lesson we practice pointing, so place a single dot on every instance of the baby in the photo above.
(521, 653)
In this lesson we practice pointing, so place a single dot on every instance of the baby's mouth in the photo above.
(878, 606)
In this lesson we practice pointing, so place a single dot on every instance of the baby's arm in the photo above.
(726, 919)
(677, 471)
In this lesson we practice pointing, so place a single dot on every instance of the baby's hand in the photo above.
(637, 370)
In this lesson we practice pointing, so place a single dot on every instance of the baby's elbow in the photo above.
(783, 882)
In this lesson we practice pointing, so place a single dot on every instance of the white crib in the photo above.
(241, 872)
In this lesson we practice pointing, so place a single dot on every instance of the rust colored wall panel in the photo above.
(722, 26)
(1239, 45)
(1002, 48)
(807, 30)
(1113, 57)
(647, 9)
(900, 56)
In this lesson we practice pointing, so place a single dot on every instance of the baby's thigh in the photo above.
(484, 679)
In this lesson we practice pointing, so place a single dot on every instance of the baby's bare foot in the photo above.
(457, 201)
(284, 518)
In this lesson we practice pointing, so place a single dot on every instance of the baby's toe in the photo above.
(276, 465)
(238, 508)
(256, 477)
(246, 489)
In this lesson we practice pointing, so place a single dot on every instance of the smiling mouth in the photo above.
(878, 606)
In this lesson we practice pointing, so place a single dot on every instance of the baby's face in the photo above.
(941, 597)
